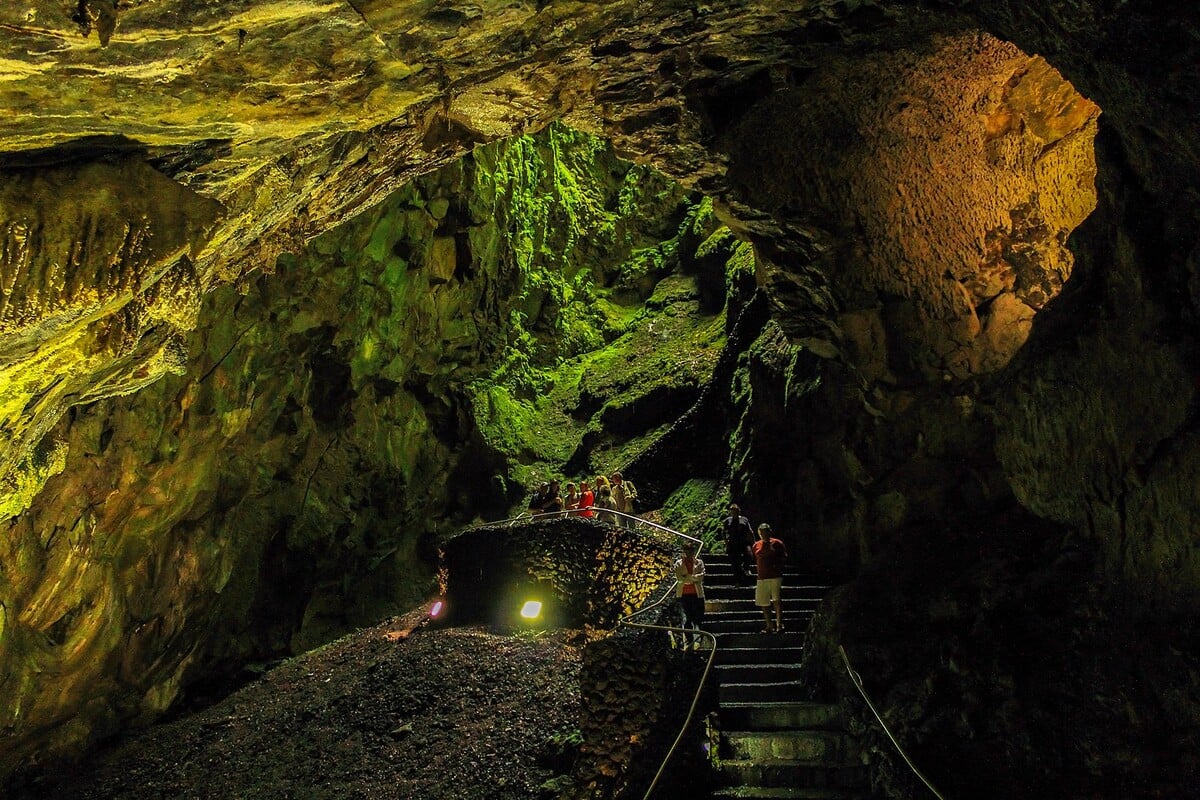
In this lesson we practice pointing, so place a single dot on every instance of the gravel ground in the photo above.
(389, 712)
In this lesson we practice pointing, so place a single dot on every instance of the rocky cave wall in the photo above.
(410, 371)
(586, 575)
(865, 400)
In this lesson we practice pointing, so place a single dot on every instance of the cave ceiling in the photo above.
(275, 121)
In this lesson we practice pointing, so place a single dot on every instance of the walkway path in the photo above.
(774, 744)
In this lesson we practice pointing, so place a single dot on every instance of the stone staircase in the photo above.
(773, 743)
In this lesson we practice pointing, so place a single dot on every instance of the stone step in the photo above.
(817, 747)
(764, 692)
(793, 774)
(722, 591)
(725, 568)
(719, 624)
(757, 673)
(744, 605)
(758, 655)
(793, 637)
(804, 715)
(786, 793)
(796, 620)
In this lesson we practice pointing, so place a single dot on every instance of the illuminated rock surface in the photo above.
(212, 453)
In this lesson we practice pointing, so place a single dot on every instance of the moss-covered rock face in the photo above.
(532, 310)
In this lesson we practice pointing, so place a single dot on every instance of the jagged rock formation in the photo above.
(939, 353)
(411, 370)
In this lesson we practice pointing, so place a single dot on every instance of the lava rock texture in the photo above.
(973, 223)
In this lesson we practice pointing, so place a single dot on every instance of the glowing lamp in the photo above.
(532, 609)
(436, 609)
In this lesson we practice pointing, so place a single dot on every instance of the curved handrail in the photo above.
(712, 655)
(856, 679)
(526, 516)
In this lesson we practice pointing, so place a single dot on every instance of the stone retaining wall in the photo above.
(635, 690)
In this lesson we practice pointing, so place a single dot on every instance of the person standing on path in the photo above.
(605, 506)
(769, 557)
(586, 500)
(689, 590)
(624, 494)
(739, 538)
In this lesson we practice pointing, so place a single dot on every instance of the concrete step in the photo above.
(721, 562)
(719, 624)
(719, 568)
(804, 715)
(724, 591)
(757, 673)
(793, 774)
(738, 639)
(726, 570)
(817, 747)
(758, 655)
(722, 559)
(745, 602)
(787, 793)
(752, 613)
(765, 692)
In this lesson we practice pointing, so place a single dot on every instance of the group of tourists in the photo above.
(594, 499)
(768, 555)
(601, 496)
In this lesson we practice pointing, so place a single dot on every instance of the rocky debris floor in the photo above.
(389, 712)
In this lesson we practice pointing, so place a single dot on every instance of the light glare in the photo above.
(532, 609)
(436, 609)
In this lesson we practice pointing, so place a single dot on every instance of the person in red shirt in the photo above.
(586, 500)
(769, 557)
(689, 590)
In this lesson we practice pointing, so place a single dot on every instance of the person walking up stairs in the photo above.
(774, 744)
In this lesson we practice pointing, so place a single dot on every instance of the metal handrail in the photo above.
(625, 620)
(526, 516)
(712, 655)
(856, 679)
(699, 686)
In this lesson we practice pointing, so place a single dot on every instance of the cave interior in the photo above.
(291, 293)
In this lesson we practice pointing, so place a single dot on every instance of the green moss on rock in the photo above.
(697, 508)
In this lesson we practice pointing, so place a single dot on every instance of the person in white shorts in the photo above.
(769, 557)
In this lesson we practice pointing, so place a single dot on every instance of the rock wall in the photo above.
(337, 414)
(945, 438)
(635, 691)
(904, 385)
(636, 694)
(587, 574)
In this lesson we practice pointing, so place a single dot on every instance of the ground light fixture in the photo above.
(436, 609)
(532, 609)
